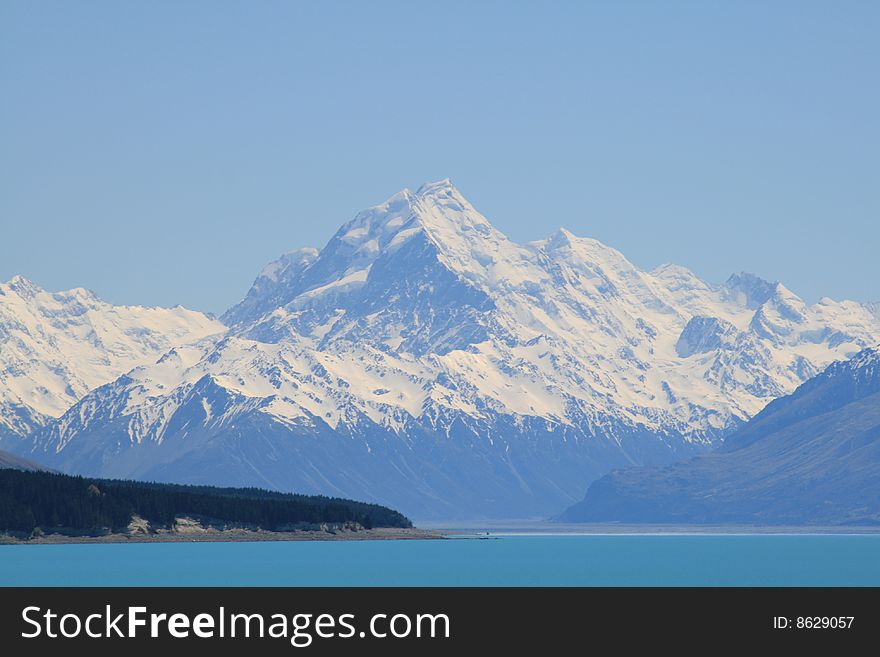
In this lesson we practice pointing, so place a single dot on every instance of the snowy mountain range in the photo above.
(57, 346)
(423, 360)
(809, 458)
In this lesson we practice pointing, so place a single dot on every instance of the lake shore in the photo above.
(549, 528)
(210, 535)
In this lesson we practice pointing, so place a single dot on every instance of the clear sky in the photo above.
(162, 152)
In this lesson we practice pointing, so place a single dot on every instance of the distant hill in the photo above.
(811, 458)
(8, 460)
(57, 503)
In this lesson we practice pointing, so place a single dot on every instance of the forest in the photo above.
(48, 502)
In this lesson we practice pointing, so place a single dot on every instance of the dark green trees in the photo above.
(61, 503)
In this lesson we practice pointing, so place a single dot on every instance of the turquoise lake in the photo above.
(561, 560)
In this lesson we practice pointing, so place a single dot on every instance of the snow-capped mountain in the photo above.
(809, 458)
(57, 346)
(422, 359)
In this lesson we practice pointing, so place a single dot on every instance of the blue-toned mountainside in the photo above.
(810, 458)
(13, 462)
(421, 360)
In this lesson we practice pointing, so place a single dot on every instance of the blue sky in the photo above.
(162, 152)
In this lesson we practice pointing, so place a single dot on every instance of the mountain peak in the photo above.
(561, 238)
(436, 206)
(751, 289)
(440, 202)
(672, 271)
(23, 287)
(443, 186)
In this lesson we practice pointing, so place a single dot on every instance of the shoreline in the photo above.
(234, 536)
(188, 531)
(545, 528)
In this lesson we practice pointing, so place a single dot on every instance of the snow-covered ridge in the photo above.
(57, 346)
(530, 330)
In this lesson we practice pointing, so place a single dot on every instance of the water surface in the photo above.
(560, 560)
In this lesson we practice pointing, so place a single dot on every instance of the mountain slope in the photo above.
(422, 359)
(13, 462)
(811, 458)
(57, 346)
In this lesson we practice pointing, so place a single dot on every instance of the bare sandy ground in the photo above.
(192, 535)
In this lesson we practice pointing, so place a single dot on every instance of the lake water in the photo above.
(561, 560)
